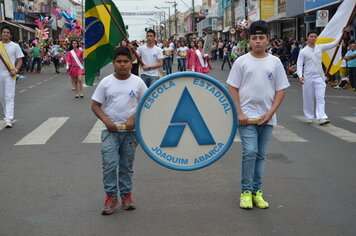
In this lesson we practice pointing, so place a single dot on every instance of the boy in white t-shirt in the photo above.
(152, 58)
(115, 102)
(257, 81)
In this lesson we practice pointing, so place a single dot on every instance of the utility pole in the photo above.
(169, 20)
(193, 17)
(175, 15)
(233, 17)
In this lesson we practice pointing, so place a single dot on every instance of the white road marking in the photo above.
(23, 90)
(285, 135)
(44, 132)
(39, 83)
(333, 130)
(281, 134)
(350, 118)
(31, 86)
(95, 133)
(45, 80)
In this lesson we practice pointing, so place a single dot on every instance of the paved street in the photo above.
(50, 173)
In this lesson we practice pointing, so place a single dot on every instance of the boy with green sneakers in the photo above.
(256, 83)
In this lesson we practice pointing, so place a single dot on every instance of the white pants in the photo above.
(7, 96)
(314, 91)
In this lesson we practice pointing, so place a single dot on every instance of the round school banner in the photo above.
(186, 121)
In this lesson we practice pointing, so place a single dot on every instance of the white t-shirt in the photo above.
(14, 51)
(167, 52)
(150, 57)
(182, 52)
(119, 98)
(258, 79)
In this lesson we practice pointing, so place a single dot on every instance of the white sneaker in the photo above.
(309, 121)
(8, 125)
(324, 121)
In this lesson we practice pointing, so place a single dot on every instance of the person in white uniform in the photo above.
(311, 76)
(8, 79)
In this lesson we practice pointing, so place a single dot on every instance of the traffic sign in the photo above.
(322, 18)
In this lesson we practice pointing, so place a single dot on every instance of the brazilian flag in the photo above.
(101, 36)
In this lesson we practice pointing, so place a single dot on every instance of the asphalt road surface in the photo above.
(51, 183)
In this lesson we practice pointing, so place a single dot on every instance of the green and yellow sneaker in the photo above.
(258, 200)
(246, 199)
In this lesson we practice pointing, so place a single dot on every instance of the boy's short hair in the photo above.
(312, 32)
(151, 31)
(259, 27)
(6, 27)
(352, 41)
(122, 51)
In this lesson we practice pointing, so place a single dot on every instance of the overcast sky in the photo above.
(138, 24)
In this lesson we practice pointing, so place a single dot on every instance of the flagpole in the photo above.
(6, 65)
(122, 32)
(340, 41)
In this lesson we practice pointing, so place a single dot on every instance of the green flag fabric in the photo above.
(101, 36)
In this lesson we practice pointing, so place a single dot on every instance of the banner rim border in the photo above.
(175, 76)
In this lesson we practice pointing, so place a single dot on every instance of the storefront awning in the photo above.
(226, 29)
(19, 26)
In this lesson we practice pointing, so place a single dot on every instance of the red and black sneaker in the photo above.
(110, 204)
(127, 203)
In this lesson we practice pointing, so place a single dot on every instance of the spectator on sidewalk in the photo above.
(226, 58)
(350, 57)
(37, 59)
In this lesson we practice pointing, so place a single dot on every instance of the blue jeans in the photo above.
(181, 64)
(36, 60)
(118, 153)
(255, 141)
(167, 66)
(148, 79)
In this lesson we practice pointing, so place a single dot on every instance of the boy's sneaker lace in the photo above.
(258, 200)
(246, 199)
(110, 204)
(127, 203)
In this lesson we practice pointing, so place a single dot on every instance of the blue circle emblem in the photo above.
(186, 121)
(94, 31)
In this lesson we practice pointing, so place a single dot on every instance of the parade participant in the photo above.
(135, 64)
(152, 58)
(311, 76)
(182, 56)
(10, 53)
(256, 82)
(75, 67)
(115, 102)
(200, 61)
(167, 60)
(54, 53)
(191, 52)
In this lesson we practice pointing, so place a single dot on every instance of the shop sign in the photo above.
(311, 5)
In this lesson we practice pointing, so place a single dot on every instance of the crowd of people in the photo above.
(257, 93)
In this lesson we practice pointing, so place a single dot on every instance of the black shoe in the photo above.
(76, 96)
